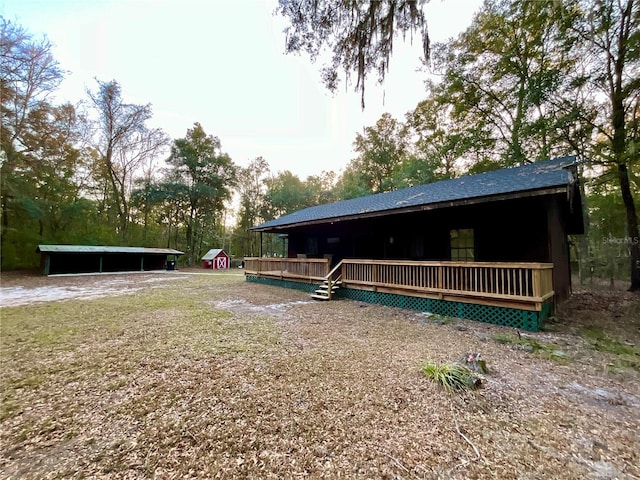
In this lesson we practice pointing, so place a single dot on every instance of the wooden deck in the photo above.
(514, 285)
(297, 269)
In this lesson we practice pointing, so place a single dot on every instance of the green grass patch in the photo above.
(602, 342)
(545, 350)
(9, 406)
(625, 356)
(160, 316)
(436, 319)
(451, 376)
(112, 338)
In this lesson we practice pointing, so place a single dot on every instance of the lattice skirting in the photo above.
(305, 287)
(510, 317)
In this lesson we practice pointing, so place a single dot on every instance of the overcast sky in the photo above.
(222, 63)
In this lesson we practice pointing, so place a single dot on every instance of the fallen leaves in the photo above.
(227, 379)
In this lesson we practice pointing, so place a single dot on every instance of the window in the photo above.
(417, 247)
(312, 246)
(462, 245)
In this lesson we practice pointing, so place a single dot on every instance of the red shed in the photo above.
(217, 259)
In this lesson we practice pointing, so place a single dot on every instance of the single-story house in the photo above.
(497, 237)
(57, 259)
(217, 259)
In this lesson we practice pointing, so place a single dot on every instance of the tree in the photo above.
(607, 234)
(321, 187)
(610, 30)
(251, 188)
(49, 172)
(285, 193)
(438, 142)
(500, 75)
(381, 149)
(42, 156)
(168, 200)
(202, 177)
(351, 184)
(124, 143)
(28, 75)
(359, 34)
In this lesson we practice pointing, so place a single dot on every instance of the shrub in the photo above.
(451, 376)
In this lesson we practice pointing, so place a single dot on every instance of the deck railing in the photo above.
(314, 269)
(520, 285)
(481, 282)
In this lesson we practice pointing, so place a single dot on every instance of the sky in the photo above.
(222, 63)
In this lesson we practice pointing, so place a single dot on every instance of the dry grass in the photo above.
(212, 377)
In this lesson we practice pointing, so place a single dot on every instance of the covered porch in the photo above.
(518, 294)
(491, 247)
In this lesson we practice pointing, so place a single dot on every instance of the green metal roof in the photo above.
(105, 249)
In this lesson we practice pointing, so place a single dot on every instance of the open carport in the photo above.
(60, 259)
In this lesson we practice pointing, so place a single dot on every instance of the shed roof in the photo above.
(530, 179)
(105, 249)
(213, 253)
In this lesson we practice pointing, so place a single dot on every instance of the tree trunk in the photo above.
(633, 235)
(146, 222)
(108, 159)
(5, 172)
(189, 236)
(584, 261)
(619, 141)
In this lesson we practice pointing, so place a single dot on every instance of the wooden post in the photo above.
(536, 282)
(260, 244)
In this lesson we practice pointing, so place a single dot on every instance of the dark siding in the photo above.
(521, 230)
(512, 232)
(559, 250)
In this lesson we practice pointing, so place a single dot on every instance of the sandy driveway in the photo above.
(25, 289)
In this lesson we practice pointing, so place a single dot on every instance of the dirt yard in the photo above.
(176, 375)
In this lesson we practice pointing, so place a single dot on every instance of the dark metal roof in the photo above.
(105, 249)
(526, 180)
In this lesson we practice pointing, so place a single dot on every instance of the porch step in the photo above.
(319, 296)
(322, 293)
(325, 289)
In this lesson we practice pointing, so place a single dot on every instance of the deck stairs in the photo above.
(329, 286)
(322, 293)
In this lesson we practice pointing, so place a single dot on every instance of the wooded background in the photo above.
(527, 81)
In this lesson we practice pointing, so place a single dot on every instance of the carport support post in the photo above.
(142, 264)
(47, 264)
(100, 269)
(260, 244)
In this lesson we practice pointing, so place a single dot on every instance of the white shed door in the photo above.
(221, 263)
